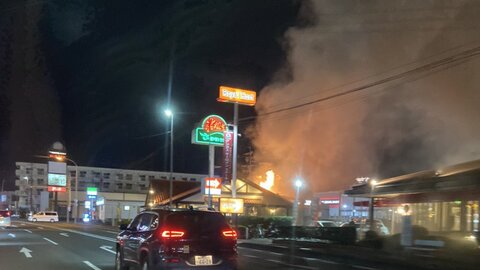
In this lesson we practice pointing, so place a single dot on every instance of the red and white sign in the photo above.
(213, 186)
(57, 189)
(227, 156)
(332, 202)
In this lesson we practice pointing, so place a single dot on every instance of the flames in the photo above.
(269, 180)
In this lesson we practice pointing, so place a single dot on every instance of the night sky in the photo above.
(93, 74)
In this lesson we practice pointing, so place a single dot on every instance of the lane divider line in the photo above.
(27, 230)
(56, 244)
(110, 239)
(91, 265)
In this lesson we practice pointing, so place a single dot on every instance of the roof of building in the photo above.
(456, 178)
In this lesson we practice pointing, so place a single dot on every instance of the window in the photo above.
(128, 186)
(28, 170)
(163, 177)
(72, 173)
(40, 171)
(106, 175)
(193, 179)
(142, 177)
(106, 185)
(128, 177)
(151, 177)
(81, 184)
(134, 224)
(119, 185)
(184, 178)
(40, 181)
(146, 222)
(38, 191)
(83, 173)
(17, 167)
(143, 187)
(120, 176)
(97, 174)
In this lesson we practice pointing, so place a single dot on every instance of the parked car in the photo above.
(5, 218)
(177, 239)
(364, 226)
(326, 223)
(48, 216)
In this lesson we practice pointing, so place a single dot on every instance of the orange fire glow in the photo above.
(269, 180)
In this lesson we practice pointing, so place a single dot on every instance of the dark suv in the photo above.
(177, 239)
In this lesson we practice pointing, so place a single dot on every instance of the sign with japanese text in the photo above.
(231, 205)
(227, 157)
(236, 95)
(210, 131)
(57, 189)
(57, 180)
(213, 186)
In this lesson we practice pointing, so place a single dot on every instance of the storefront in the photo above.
(445, 200)
(257, 201)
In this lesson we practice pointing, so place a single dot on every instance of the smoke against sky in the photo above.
(415, 123)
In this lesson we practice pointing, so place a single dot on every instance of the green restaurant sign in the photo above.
(210, 132)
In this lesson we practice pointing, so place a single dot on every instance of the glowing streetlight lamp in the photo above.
(298, 185)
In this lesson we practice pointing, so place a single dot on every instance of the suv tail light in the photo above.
(229, 233)
(172, 234)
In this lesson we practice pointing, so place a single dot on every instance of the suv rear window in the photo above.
(197, 222)
(50, 214)
(4, 213)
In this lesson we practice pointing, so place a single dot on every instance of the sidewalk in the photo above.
(382, 259)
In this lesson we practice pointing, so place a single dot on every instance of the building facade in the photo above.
(31, 181)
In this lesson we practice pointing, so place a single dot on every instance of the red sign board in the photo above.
(227, 156)
(57, 189)
(214, 123)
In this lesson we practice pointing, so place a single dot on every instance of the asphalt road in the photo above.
(49, 246)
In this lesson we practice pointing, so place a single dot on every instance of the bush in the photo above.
(280, 221)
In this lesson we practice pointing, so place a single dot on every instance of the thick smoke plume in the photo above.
(417, 122)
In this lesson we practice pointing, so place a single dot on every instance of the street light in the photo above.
(298, 185)
(169, 113)
(70, 193)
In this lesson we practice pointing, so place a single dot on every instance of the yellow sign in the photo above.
(236, 95)
(230, 205)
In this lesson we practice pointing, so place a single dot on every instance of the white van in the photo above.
(48, 216)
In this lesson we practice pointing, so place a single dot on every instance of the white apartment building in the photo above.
(31, 181)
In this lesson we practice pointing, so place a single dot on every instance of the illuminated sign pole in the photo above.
(236, 96)
(211, 133)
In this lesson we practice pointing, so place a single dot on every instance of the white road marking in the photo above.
(320, 260)
(363, 267)
(26, 252)
(91, 265)
(11, 235)
(56, 244)
(41, 228)
(110, 239)
(23, 224)
(64, 234)
(108, 248)
(114, 232)
(27, 230)
(250, 256)
(292, 265)
(3, 228)
(14, 226)
(305, 248)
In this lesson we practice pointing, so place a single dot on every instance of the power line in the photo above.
(464, 55)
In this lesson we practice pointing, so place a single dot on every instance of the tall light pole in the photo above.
(169, 113)
(298, 185)
(75, 205)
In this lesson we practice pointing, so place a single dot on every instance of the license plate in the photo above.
(203, 260)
